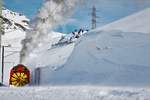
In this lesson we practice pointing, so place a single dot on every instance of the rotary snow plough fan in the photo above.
(19, 76)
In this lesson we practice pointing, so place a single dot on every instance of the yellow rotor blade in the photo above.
(18, 74)
(25, 76)
(22, 74)
(14, 83)
(13, 79)
(14, 75)
(17, 85)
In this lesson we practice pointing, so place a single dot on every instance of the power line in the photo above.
(12, 53)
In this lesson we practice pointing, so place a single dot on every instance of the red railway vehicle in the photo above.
(19, 76)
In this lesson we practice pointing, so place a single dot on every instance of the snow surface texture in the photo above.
(138, 22)
(57, 47)
(75, 93)
(53, 57)
(54, 53)
(106, 58)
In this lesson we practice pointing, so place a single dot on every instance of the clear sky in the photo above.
(108, 10)
(26, 7)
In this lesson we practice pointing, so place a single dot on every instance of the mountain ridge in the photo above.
(12, 21)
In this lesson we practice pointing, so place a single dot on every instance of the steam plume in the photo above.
(52, 13)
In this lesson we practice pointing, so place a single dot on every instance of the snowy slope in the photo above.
(110, 58)
(15, 26)
(55, 50)
(106, 58)
(75, 93)
(14, 21)
(138, 22)
(50, 56)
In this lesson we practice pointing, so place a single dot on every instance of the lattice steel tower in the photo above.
(93, 17)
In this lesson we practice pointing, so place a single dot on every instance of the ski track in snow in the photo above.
(74, 93)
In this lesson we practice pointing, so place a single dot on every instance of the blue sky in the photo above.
(27, 7)
(108, 10)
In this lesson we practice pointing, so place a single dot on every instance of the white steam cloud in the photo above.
(52, 13)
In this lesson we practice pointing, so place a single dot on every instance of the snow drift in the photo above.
(50, 56)
(107, 58)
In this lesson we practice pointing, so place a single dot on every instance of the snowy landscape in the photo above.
(111, 62)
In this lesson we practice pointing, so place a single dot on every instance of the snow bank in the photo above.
(106, 58)
(45, 55)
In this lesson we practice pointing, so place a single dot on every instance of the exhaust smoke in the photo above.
(52, 13)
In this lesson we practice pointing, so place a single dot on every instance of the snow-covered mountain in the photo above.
(15, 26)
(14, 21)
(107, 57)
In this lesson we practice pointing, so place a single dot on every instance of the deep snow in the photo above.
(107, 57)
